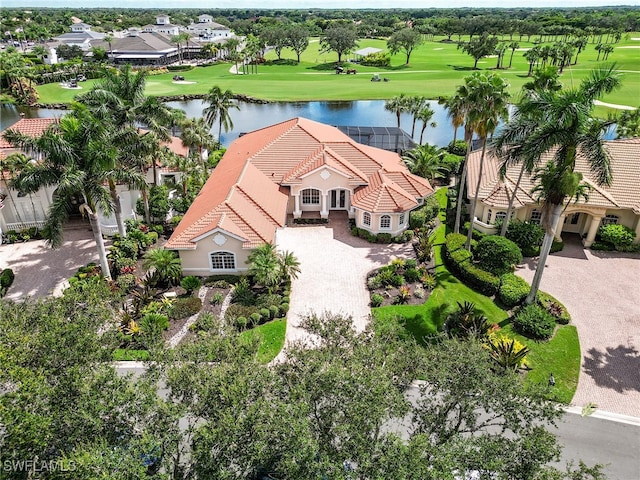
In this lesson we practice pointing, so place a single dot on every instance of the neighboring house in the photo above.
(294, 168)
(163, 25)
(207, 29)
(19, 211)
(80, 35)
(617, 203)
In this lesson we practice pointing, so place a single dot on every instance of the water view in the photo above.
(252, 116)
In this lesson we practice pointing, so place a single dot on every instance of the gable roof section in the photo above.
(33, 127)
(624, 191)
(382, 195)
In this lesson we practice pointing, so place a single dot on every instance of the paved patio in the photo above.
(333, 271)
(602, 292)
(41, 271)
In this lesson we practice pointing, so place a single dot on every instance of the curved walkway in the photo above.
(333, 271)
(602, 292)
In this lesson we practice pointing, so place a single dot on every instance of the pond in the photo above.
(253, 116)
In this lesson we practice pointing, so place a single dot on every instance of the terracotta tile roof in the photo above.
(383, 195)
(174, 144)
(246, 191)
(624, 191)
(33, 127)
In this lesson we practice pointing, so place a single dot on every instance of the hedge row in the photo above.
(460, 262)
(513, 290)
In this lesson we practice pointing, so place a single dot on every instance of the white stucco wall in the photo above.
(197, 262)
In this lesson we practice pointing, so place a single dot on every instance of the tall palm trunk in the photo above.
(97, 236)
(505, 224)
(549, 235)
(145, 203)
(117, 208)
(461, 185)
(15, 207)
(472, 213)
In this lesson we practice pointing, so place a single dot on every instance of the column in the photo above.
(637, 230)
(593, 229)
(324, 213)
(560, 227)
(297, 213)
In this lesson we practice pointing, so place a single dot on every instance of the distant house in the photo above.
(617, 203)
(19, 211)
(207, 29)
(163, 25)
(81, 35)
(292, 169)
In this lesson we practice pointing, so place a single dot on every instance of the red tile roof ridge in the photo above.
(379, 185)
(245, 222)
(303, 165)
(347, 165)
(600, 190)
(260, 207)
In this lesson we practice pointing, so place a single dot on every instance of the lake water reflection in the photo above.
(253, 116)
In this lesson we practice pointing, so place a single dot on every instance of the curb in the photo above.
(609, 416)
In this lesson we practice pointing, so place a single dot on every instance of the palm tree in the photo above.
(163, 266)
(231, 46)
(513, 46)
(414, 105)
(74, 151)
(8, 165)
(265, 266)
(425, 161)
(219, 104)
(14, 164)
(211, 50)
(488, 97)
(196, 135)
(425, 115)
(567, 128)
(118, 100)
(109, 38)
(177, 39)
(397, 105)
(289, 265)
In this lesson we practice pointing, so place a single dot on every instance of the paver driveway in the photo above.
(41, 271)
(602, 292)
(333, 270)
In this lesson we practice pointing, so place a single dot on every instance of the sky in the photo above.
(295, 4)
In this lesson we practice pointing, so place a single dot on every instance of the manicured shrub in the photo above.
(397, 280)
(526, 235)
(154, 322)
(513, 290)
(241, 323)
(374, 282)
(254, 318)
(535, 322)
(274, 310)
(556, 246)
(6, 279)
(284, 308)
(383, 238)
(617, 235)
(236, 310)
(376, 300)
(602, 246)
(460, 263)
(497, 254)
(265, 313)
(416, 219)
(185, 307)
(190, 284)
(410, 263)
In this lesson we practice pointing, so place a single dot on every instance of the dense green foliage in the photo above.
(528, 236)
(619, 236)
(6, 279)
(497, 254)
(460, 261)
(513, 290)
(534, 322)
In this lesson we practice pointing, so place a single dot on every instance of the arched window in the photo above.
(385, 222)
(366, 219)
(310, 196)
(609, 219)
(223, 261)
(500, 216)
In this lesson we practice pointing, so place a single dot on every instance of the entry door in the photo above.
(338, 199)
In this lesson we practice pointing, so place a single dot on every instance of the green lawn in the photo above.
(560, 356)
(271, 337)
(435, 69)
